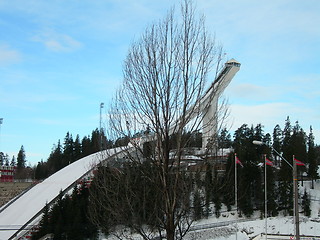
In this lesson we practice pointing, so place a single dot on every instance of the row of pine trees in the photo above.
(69, 151)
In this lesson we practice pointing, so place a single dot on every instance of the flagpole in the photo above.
(265, 196)
(295, 197)
(236, 192)
(295, 187)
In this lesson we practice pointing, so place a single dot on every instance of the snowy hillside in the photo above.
(211, 229)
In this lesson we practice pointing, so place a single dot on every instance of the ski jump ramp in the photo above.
(21, 214)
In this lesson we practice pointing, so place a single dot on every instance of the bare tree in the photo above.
(163, 94)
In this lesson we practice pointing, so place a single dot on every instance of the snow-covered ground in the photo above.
(249, 228)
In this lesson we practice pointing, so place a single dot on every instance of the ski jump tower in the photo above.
(209, 102)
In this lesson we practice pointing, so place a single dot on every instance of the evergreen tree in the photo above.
(249, 189)
(299, 142)
(21, 159)
(95, 141)
(306, 204)
(68, 150)
(216, 195)
(299, 145)
(2, 161)
(208, 186)
(272, 204)
(227, 188)
(86, 147)
(312, 159)
(285, 173)
(41, 171)
(285, 169)
(77, 149)
(44, 227)
(277, 137)
(55, 161)
(224, 139)
(246, 189)
(6, 160)
(13, 162)
(285, 197)
(197, 205)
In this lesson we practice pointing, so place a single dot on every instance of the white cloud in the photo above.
(57, 42)
(8, 55)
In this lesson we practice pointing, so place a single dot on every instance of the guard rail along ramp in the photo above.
(18, 218)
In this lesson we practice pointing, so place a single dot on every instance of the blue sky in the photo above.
(60, 59)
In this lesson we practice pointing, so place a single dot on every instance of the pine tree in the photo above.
(208, 185)
(6, 160)
(13, 162)
(77, 149)
(197, 205)
(306, 204)
(312, 159)
(95, 141)
(68, 150)
(272, 193)
(217, 194)
(44, 225)
(2, 161)
(224, 139)
(227, 189)
(55, 160)
(299, 145)
(86, 146)
(287, 150)
(21, 159)
(277, 144)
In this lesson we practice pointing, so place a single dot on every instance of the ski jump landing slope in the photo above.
(27, 207)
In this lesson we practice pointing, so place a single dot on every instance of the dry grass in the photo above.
(9, 190)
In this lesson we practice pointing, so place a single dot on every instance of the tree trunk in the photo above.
(170, 229)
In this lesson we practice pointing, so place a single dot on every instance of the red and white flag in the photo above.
(299, 163)
(268, 162)
(238, 161)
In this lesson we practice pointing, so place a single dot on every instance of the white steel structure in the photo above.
(209, 103)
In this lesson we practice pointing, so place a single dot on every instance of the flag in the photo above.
(299, 163)
(238, 161)
(268, 162)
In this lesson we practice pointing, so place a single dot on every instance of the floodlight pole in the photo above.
(295, 189)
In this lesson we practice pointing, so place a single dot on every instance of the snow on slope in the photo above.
(251, 228)
(23, 209)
